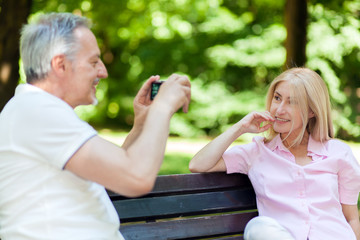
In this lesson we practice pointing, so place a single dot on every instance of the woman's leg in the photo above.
(265, 228)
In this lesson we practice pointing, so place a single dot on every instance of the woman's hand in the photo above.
(256, 122)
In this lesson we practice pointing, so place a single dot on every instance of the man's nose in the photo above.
(102, 73)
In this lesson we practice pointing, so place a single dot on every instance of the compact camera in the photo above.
(155, 86)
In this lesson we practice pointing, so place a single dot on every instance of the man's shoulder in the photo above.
(31, 100)
(36, 107)
(34, 95)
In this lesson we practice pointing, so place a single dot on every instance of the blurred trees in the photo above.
(12, 15)
(231, 50)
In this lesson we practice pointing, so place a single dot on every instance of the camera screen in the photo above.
(155, 86)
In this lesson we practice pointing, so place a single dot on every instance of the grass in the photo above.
(175, 163)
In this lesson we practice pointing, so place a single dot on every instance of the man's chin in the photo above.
(95, 102)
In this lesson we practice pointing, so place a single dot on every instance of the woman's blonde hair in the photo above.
(309, 91)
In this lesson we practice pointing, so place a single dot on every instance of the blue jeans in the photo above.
(265, 228)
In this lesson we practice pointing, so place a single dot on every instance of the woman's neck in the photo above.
(289, 141)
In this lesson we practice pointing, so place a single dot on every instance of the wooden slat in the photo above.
(187, 183)
(189, 206)
(199, 181)
(184, 205)
(189, 228)
(229, 238)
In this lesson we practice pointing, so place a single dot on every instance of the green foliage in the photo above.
(231, 50)
(214, 108)
(333, 50)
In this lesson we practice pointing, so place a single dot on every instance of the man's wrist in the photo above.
(162, 108)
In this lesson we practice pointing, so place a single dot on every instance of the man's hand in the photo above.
(175, 93)
(142, 101)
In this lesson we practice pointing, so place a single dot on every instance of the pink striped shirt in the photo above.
(304, 199)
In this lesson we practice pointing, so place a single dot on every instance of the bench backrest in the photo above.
(189, 206)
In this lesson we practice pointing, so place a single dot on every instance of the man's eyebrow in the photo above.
(97, 56)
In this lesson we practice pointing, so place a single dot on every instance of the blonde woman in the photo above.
(306, 182)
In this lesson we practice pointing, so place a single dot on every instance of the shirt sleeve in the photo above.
(238, 159)
(349, 178)
(53, 133)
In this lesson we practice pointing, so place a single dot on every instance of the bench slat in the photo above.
(189, 206)
(189, 228)
(187, 183)
(184, 205)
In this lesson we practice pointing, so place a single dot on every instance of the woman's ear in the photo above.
(311, 114)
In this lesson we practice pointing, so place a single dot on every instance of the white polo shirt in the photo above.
(38, 198)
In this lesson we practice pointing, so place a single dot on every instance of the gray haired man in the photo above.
(54, 166)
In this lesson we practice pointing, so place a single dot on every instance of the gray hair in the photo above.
(50, 35)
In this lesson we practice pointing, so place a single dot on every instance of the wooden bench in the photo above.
(189, 206)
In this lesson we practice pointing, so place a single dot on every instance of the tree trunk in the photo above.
(296, 23)
(13, 14)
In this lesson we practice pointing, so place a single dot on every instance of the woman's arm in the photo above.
(351, 214)
(209, 159)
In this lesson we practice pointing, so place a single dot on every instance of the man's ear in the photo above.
(58, 64)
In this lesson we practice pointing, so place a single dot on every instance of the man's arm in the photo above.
(131, 171)
(141, 104)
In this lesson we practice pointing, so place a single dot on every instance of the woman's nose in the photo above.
(281, 108)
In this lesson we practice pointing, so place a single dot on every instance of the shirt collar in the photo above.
(276, 143)
(318, 148)
(314, 146)
(23, 88)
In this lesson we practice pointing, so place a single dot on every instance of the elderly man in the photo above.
(54, 166)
